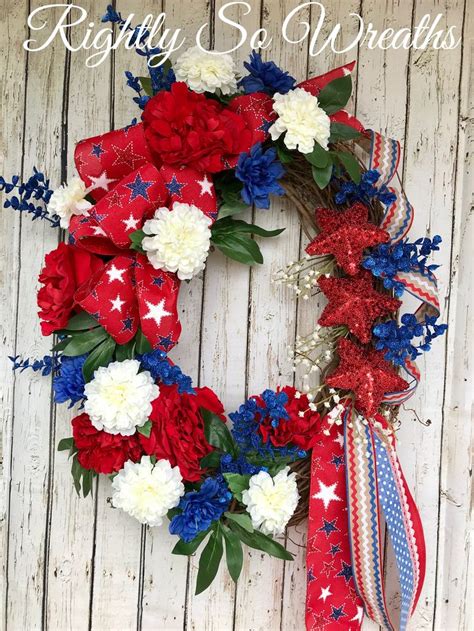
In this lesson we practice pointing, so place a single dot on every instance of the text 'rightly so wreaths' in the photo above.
(150, 203)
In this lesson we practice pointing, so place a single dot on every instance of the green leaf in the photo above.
(350, 164)
(209, 561)
(100, 356)
(82, 321)
(334, 96)
(339, 131)
(232, 204)
(237, 483)
(212, 460)
(66, 444)
(284, 155)
(87, 479)
(259, 541)
(322, 177)
(136, 239)
(60, 346)
(242, 519)
(145, 429)
(85, 342)
(146, 85)
(217, 433)
(227, 225)
(125, 351)
(239, 248)
(76, 471)
(233, 553)
(142, 344)
(186, 549)
(319, 157)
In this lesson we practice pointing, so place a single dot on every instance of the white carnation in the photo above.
(118, 399)
(205, 72)
(180, 240)
(303, 120)
(68, 200)
(146, 491)
(271, 501)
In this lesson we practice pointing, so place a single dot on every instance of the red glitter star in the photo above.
(355, 303)
(346, 234)
(367, 374)
(319, 622)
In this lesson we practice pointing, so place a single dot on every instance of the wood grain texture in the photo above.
(78, 564)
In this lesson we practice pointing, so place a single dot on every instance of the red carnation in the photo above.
(301, 431)
(66, 268)
(183, 128)
(178, 428)
(101, 451)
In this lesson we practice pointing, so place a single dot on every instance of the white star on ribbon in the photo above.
(131, 223)
(114, 273)
(326, 494)
(358, 616)
(100, 182)
(156, 312)
(117, 304)
(206, 186)
(98, 231)
(325, 593)
(339, 439)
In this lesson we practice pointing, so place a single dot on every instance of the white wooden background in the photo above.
(77, 564)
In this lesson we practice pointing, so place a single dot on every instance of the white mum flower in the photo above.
(205, 72)
(180, 239)
(303, 120)
(146, 491)
(68, 200)
(271, 501)
(118, 399)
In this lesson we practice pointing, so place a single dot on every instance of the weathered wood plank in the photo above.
(30, 471)
(11, 139)
(453, 606)
(429, 170)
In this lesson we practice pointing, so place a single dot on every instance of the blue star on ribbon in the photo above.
(166, 342)
(334, 549)
(311, 576)
(127, 324)
(337, 612)
(337, 461)
(328, 527)
(139, 188)
(174, 187)
(265, 126)
(158, 281)
(346, 571)
(97, 150)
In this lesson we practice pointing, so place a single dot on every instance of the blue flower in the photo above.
(387, 260)
(265, 76)
(398, 340)
(365, 191)
(47, 365)
(259, 171)
(240, 465)
(68, 383)
(161, 369)
(201, 508)
(35, 188)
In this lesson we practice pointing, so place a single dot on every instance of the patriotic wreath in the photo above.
(150, 203)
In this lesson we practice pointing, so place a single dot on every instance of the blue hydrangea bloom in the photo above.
(246, 422)
(365, 191)
(259, 171)
(201, 508)
(68, 383)
(265, 76)
(161, 369)
(398, 340)
(387, 260)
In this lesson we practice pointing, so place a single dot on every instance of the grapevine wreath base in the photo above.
(150, 203)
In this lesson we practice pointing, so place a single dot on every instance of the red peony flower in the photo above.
(178, 428)
(185, 128)
(100, 451)
(301, 431)
(66, 268)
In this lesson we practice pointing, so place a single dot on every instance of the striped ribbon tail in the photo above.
(377, 492)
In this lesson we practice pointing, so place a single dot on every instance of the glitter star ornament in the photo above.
(346, 234)
(367, 374)
(355, 303)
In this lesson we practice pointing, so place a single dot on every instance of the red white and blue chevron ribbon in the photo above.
(376, 488)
